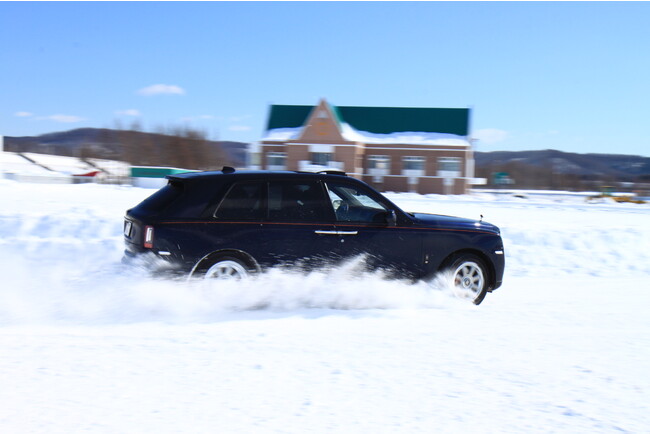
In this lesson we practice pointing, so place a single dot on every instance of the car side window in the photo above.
(298, 201)
(244, 201)
(352, 204)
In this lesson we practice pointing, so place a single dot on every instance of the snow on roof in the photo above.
(403, 137)
(398, 138)
(283, 134)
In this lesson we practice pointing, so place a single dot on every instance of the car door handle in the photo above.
(348, 232)
(336, 232)
(326, 232)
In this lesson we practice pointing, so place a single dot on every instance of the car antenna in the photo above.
(228, 169)
(481, 221)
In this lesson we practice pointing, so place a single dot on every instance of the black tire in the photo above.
(470, 277)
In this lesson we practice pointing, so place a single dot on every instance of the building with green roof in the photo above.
(425, 150)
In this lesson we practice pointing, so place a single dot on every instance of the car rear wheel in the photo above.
(470, 278)
(227, 269)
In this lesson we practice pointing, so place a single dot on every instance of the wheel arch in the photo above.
(208, 260)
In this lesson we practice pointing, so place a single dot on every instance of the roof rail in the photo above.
(333, 172)
(228, 169)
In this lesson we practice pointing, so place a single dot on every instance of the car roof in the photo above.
(229, 173)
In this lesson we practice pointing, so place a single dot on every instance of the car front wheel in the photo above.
(470, 278)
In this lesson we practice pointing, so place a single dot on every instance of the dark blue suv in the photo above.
(231, 224)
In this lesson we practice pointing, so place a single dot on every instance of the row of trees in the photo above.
(184, 147)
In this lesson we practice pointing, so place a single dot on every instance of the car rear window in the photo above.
(157, 202)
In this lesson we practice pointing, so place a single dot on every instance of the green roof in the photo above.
(288, 116)
(379, 120)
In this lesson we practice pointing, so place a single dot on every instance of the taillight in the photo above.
(148, 237)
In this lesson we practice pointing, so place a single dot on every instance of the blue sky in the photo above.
(567, 76)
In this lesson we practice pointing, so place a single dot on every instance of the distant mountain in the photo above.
(584, 166)
(110, 144)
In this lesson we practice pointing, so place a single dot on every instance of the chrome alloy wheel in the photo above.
(227, 270)
(469, 281)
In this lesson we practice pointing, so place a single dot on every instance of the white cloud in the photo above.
(490, 136)
(239, 128)
(238, 118)
(128, 112)
(23, 114)
(161, 89)
(66, 119)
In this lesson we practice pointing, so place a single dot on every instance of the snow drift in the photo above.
(90, 345)
(61, 259)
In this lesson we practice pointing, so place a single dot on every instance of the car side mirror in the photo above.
(391, 218)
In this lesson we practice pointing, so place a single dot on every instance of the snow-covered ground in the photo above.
(45, 168)
(87, 345)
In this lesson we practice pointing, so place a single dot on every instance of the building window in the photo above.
(449, 168)
(276, 160)
(449, 164)
(255, 159)
(378, 167)
(381, 162)
(414, 163)
(413, 169)
(321, 158)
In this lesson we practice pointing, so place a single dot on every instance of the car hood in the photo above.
(449, 222)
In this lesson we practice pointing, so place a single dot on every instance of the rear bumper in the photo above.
(153, 258)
